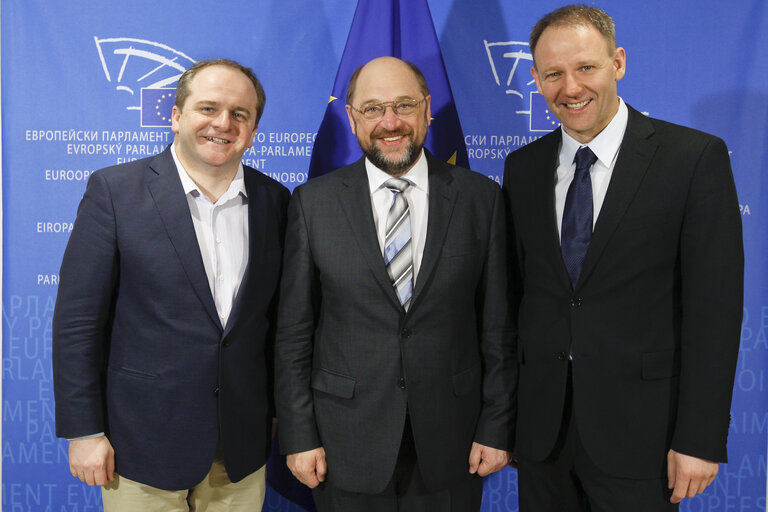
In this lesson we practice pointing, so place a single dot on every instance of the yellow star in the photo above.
(332, 98)
(452, 160)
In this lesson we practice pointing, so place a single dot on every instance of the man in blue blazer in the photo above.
(629, 265)
(163, 325)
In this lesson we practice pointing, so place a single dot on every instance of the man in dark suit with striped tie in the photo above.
(393, 356)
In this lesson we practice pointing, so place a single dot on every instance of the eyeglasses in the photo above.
(402, 107)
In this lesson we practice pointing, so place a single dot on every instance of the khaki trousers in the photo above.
(214, 494)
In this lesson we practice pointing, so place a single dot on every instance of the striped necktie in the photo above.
(398, 254)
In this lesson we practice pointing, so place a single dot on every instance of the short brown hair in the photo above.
(416, 72)
(182, 88)
(576, 15)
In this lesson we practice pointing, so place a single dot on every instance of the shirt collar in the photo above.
(605, 145)
(236, 187)
(418, 175)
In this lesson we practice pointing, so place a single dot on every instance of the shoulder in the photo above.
(675, 137)
(332, 180)
(461, 178)
(260, 179)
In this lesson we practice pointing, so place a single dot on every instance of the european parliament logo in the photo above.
(142, 72)
(156, 106)
(542, 119)
(510, 62)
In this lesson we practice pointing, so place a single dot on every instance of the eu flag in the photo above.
(542, 119)
(402, 29)
(156, 106)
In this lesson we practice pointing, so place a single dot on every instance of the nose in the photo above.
(223, 120)
(390, 119)
(573, 86)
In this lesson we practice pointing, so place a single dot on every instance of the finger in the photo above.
(321, 468)
(681, 489)
(111, 467)
(100, 477)
(475, 458)
(482, 468)
(310, 479)
(671, 471)
(89, 478)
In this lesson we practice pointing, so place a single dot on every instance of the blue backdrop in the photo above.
(80, 91)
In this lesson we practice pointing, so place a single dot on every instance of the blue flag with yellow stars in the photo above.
(396, 28)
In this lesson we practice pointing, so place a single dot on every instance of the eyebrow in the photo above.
(211, 103)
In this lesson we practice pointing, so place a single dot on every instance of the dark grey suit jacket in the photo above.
(350, 362)
(655, 318)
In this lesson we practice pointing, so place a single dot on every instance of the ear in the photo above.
(619, 63)
(175, 115)
(429, 109)
(253, 134)
(352, 122)
(535, 76)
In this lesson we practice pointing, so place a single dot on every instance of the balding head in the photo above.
(384, 66)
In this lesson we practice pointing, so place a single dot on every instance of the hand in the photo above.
(688, 476)
(92, 460)
(308, 467)
(485, 460)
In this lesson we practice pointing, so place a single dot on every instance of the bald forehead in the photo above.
(385, 74)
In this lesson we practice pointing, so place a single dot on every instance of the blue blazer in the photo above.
(138, 349)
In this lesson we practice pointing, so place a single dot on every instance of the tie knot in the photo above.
(397, 185)
(584, 158)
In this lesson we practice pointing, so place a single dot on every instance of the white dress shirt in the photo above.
(222, 234)
(418, 202)
(606, 148)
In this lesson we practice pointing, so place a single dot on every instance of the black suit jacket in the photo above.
(350, 362)
(655, 317)
(138, 348)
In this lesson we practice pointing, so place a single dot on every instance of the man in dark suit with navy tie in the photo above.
(162, 332)
(394, 366)
(627, 279)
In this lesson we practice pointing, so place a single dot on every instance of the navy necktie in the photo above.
(576, 229)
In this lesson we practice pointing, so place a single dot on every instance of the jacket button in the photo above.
(406, 333)
(561, 356)
(216, 392)
(401, 383)
(225, 344)
(575, 302)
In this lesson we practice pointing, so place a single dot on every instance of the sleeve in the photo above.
(82, 316)
(499, 410)
(269, 347)
(299, 303)
(712, 285)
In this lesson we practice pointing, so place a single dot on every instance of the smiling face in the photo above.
(217, 122)
(576, 71)
(392, 143)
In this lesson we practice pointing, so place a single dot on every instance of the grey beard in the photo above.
(377, 158)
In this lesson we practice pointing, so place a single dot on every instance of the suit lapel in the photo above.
(634, 158)
(171, 203)
(256, 215)
(442, 198)
(355, 199)
(547, 160)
